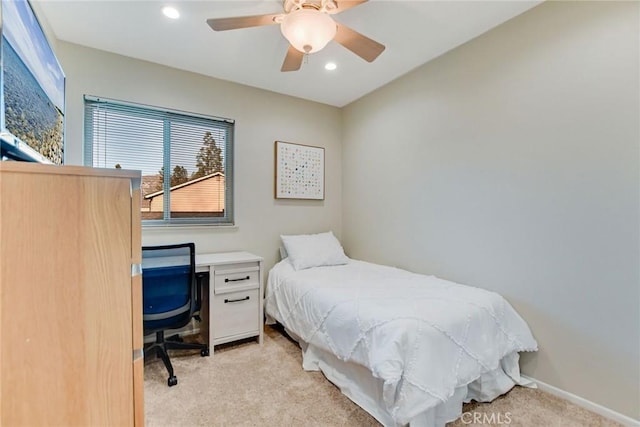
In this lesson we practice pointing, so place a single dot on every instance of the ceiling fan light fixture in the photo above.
(308, 30)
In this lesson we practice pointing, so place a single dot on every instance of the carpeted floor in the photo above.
(246, 384)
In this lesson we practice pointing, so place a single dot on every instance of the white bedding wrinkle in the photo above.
(421, 335)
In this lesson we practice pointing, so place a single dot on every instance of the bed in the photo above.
(407, 348)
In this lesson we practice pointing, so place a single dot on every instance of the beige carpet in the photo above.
(252, 385)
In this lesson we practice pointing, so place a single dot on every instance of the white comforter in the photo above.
(421, 335)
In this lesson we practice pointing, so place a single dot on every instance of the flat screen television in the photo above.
(32, 89)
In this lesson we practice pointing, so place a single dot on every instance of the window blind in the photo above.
(186, 159)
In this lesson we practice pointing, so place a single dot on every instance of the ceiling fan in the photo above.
(308, 27)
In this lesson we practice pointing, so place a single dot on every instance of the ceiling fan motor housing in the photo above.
(327, 6)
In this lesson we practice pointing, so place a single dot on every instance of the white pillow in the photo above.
(283, 253)
(314, 250)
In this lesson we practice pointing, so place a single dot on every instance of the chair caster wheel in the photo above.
(172, 381)
(204, 352)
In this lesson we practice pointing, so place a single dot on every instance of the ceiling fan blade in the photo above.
(357, 43)
(293, 60)
(343, 5)
(223, 24)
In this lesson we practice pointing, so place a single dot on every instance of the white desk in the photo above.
(233, 304)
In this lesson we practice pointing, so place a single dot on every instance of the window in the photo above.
(186, 160)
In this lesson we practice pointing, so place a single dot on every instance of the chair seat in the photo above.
(152, 326)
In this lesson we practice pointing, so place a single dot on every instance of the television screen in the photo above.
(33, 83)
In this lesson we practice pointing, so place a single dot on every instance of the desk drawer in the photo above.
(241, 277)
(236, 313)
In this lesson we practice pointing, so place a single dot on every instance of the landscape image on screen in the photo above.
(33, 83)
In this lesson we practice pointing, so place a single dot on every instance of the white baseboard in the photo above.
(587, 404)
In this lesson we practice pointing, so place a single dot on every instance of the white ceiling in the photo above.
(413, 32)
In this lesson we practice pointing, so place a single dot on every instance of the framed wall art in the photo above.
(299, 171)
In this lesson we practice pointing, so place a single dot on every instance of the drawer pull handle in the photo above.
(236, 280)
(236, 300)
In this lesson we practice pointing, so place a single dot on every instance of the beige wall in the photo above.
(261, 118)
(512, 164)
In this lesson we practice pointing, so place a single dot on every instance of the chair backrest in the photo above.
(168, 286)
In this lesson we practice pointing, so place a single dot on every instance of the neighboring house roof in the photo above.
(150, 183)
(184, 184)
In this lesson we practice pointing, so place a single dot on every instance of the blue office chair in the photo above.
(170, 296)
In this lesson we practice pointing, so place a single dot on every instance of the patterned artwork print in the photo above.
(299, 171)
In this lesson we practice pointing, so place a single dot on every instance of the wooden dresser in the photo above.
(70, 296)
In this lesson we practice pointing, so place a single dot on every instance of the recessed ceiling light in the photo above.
(330, 66)
(171, 12)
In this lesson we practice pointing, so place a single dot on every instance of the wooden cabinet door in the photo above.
(66, 310)
(136, 307)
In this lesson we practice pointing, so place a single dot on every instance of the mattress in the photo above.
(406, 347)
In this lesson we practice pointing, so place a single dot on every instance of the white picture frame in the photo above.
(299, 171)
